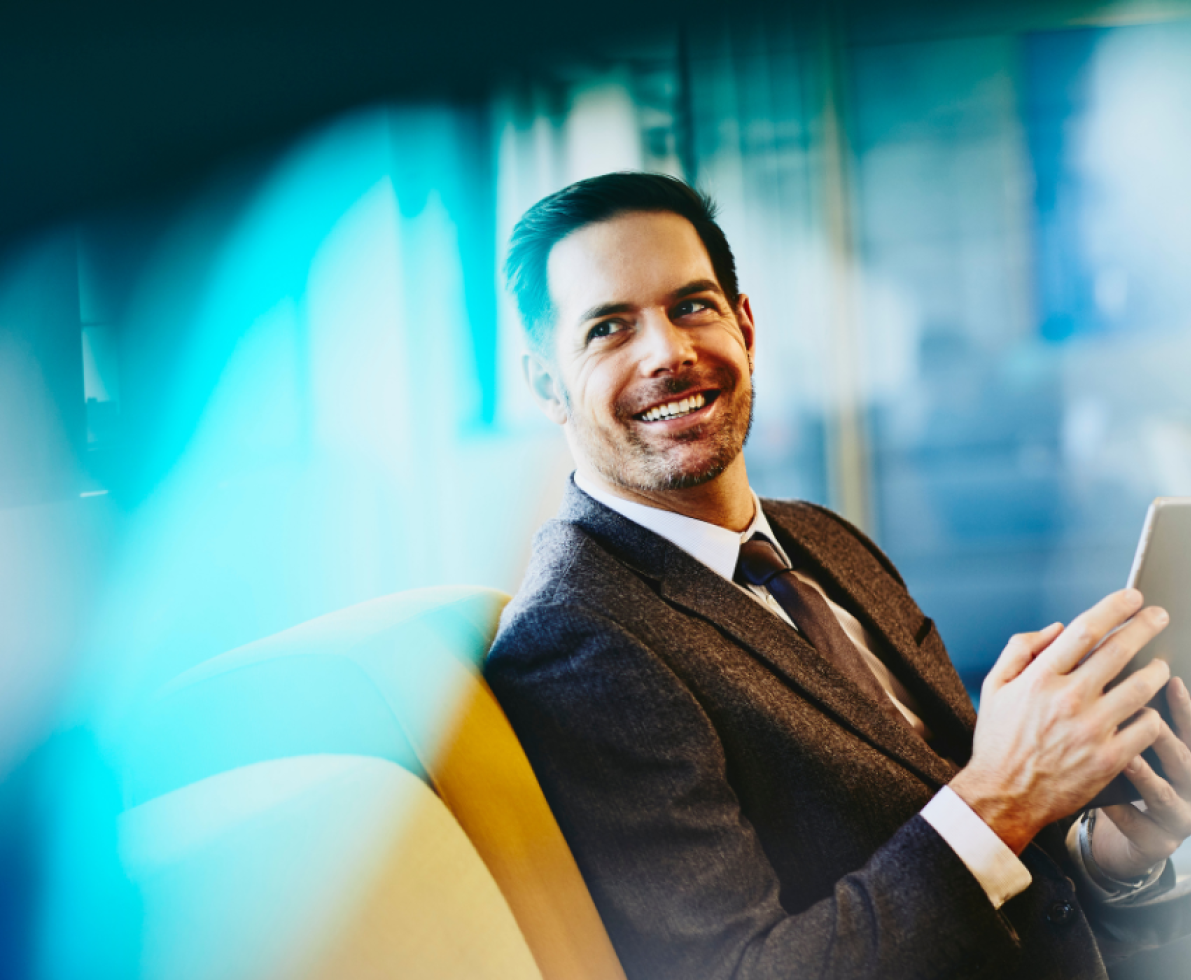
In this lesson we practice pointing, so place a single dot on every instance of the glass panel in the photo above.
(1020, 221)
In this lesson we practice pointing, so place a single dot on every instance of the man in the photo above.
(782, 775)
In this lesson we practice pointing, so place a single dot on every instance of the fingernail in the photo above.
(1161, 616)
(1134, 596)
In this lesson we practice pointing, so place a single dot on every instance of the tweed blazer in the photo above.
(739, 808)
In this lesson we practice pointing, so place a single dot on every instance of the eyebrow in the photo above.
(610, 309)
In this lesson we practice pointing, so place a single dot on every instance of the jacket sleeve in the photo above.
(638, 780)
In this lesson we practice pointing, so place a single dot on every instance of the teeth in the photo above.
(673, 409)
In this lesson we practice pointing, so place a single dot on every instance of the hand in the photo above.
(1049, 737)
(1131, 842)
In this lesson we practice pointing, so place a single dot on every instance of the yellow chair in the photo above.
(346, 799)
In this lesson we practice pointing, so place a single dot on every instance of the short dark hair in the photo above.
(590, 201)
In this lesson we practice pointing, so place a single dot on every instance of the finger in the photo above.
(1164, 806)
(1088, 629)
(1133, 693)
(1146, 839)
(1131, 822)
(1175, 757)
(1180, 709)
(1137, 736)
(1019, 652)
(1111, 657)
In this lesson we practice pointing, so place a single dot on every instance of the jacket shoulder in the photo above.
(573, 585)
(566, 566)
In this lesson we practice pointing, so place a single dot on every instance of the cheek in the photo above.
(731, 343)
(597, 389)
(734, 352)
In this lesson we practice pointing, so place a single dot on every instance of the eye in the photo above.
(605, 329)
(691, 306)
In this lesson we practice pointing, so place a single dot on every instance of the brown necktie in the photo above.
(760, 564)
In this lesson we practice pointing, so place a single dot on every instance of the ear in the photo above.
(544, 387)
(748, 330)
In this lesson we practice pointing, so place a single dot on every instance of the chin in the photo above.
(688, 478)
(661, 475)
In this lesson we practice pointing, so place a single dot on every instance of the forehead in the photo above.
(635, 259)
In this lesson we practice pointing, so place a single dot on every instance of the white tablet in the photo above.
(1162, 573)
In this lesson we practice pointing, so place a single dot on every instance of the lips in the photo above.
(678, 407)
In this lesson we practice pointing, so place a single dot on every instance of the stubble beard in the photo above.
(624, 458)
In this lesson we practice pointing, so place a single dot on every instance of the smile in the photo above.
(678, 408)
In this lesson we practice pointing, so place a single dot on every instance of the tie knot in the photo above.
(758, 562)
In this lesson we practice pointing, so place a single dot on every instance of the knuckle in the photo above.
(1142, 687)
(1164, 795)
(1041, 682)
(1182, 755)
(1106, 763)
(1143, 729)
(1066, 703)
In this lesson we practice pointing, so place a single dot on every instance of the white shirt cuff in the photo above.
(1000, 873)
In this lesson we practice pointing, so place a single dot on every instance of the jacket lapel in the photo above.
(695, 588)
(914, 650)
(687, 583)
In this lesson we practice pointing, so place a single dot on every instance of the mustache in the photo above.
(669, 388)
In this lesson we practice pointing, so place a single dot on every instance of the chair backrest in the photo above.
(317, 867)
(394, 679)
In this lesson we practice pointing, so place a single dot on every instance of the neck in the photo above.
(725, 500)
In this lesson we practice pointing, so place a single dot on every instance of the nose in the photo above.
(666, 347)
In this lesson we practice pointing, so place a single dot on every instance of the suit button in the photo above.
(1060, 913)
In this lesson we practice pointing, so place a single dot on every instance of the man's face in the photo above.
(652, 364)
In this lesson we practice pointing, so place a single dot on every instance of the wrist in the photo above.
(1111, 879)
(1111, 889)
(1004, 814)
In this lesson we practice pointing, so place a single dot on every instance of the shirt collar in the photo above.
(716, 547)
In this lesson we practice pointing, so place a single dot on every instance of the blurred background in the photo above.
(256, 363)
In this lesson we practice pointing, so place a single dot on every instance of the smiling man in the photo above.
(751, 735)
(636, 427)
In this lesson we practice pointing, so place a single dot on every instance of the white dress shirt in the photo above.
(998, 870)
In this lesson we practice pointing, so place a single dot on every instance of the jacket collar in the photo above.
(716, 547)
(685, 582)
